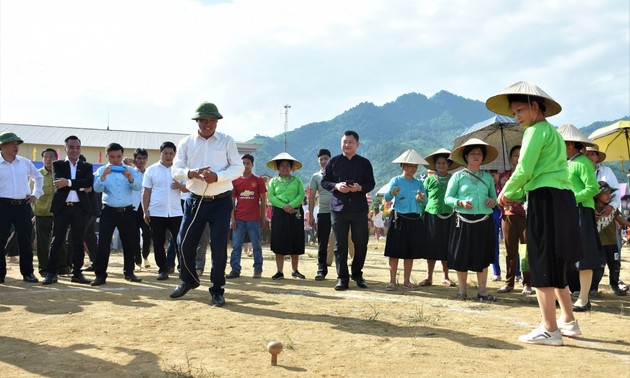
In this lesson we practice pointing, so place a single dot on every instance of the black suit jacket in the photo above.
(83, 179)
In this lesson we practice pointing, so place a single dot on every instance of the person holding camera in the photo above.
(349, 177)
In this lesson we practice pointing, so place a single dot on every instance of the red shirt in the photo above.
(248, 193)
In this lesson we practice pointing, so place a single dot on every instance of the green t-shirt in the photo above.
(436, 189)
(583, 180)
(282, 191)
(542, 162)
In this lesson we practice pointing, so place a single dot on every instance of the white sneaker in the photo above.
(569, 329)
(541, 336)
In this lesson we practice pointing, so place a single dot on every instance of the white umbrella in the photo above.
(501, 132)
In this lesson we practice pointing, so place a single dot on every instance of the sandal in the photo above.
(425, 282)
(390, 287)
(505, 289)
(409, 286)
(460, 297)
(447, 282)
(486, 298)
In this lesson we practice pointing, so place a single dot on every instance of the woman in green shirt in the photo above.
(542, 174)
(585, 187)
(438, 216)
(285, 193)
(471, 193)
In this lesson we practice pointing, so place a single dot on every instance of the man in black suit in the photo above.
(70, 207)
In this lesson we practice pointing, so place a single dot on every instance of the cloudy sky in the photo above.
(147, 64)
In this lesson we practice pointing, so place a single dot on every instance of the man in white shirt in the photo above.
(15, 203)
(162, 204)
(208, 160)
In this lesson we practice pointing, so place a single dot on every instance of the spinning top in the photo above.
(274, 347)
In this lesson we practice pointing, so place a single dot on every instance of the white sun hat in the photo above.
(570, 133)
(410, 157)
(272, 164)
(499, 103)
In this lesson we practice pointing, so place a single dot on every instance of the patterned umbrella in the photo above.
(501, 132)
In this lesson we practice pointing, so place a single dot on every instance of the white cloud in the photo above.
(149, 63)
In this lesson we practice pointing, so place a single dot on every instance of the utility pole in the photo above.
(286, 125)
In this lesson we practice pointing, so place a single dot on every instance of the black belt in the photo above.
(119, 209)
(212, 198)
(13, 201)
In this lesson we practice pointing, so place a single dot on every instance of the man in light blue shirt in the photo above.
(117, 182)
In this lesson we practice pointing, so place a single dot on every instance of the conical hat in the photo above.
(442, 151)
(458, 154)
(271, 164)
(602, 155)
(571, 133)
(499, 103)
(410, 157)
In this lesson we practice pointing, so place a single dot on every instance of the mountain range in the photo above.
(411, 121)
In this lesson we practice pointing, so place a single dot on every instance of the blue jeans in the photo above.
(217, 215)
(238, 235)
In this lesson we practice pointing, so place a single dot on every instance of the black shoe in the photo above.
(360, 282)
(217, 299)
(98, 281)
(278, 276)
(2, 280)
(182, 289)
(162, 276)
(132, 278)
(64, 271)
(80, 278)
(320, 276)
(171, 270)
(297, 274)
(341, 285)
(233, 274)
(89, 268)
(617, 291)
(30, 278)
(50, 279)
(584, 308)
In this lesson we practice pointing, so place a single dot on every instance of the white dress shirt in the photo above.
(137, 196)
(14, 179)
(218, 152)
(165, 202)
(72, 194)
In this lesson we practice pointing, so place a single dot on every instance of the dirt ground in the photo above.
(136, 330)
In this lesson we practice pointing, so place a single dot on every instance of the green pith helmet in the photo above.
(10, 137)
(207, 110)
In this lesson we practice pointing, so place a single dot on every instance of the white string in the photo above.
(186, 234)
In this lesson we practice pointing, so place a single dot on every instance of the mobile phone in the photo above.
(349, 182)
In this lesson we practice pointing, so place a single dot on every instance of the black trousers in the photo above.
(20, 217)
(142, 251)
(357, 223)
(324, 226)
(112, 218)
(43, 236)
(159, 225)
(73, 217)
